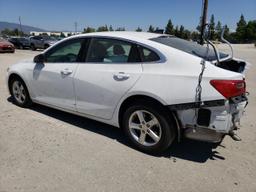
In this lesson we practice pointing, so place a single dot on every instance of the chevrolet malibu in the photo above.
(157, 88)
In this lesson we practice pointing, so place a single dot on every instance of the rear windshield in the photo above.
(188, 47)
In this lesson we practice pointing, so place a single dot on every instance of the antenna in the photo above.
(203, 20)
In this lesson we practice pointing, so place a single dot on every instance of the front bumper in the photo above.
(211, 121)
(7, 49)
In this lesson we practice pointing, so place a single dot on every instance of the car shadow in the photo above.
(187, 149)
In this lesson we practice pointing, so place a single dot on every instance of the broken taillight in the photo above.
(229, 88)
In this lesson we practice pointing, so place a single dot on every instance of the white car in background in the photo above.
(156, 87)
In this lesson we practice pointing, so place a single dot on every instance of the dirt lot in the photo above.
(42, 149)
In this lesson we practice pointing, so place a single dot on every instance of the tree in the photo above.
(218, 29)
(212, 35)
(111, 28)
(151, 29)
(44, 34)
(251, 31)
(195, 36)
(159, 31)
(62, 35)
(53, 35)
(181, 31)
(138, 29)
(120, 29)
(226, 31)
(187, 34)
(89, 30)
(176, 31)
(102, 28)
(241, 29)
(16, 32)
(7, 32)
(169, 28)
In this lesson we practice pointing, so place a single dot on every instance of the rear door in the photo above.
(110, 70)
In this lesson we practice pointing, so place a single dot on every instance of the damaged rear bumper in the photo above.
(210, 121)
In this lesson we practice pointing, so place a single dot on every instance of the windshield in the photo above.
(188, 47)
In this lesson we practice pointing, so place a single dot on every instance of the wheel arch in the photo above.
(135, 98)
(13, 76)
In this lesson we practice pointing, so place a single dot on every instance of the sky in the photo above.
(61, 15)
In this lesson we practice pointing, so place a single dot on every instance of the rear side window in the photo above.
(104, 50)
(148, 55)
(188, 47)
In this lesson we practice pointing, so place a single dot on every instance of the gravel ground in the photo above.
(42, 149)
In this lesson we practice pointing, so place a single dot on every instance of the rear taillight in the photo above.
(229, 88)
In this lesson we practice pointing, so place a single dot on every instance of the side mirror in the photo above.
(39, 58)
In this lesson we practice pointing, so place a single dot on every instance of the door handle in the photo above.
(66, 72)
(121, 76)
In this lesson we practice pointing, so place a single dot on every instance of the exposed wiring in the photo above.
(199, 89)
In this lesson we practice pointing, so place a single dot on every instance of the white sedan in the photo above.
(157, 88)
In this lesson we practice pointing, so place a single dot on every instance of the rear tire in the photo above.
(19, 92)
(148, 127)
(32, 46)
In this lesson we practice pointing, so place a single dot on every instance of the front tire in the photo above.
(19, 93)
(148, 127)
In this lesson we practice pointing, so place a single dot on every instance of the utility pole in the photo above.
(75, 28)
(20, 25)
(203, 20)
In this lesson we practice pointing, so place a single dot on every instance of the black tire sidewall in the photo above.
(27, 101)
(168, 131)
(33, 48)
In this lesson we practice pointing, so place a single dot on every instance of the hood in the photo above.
(5, 43)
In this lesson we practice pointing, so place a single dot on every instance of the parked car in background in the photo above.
(6, 46)
(153, 86)
(41, 42)
(20, 42)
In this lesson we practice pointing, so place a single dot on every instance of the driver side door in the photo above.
(53, 80)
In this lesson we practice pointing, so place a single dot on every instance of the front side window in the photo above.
(68, 52)
(110, 51)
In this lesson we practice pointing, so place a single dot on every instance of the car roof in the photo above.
(131, 35)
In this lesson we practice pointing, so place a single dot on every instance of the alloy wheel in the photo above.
(19, 92)
(145, 128)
